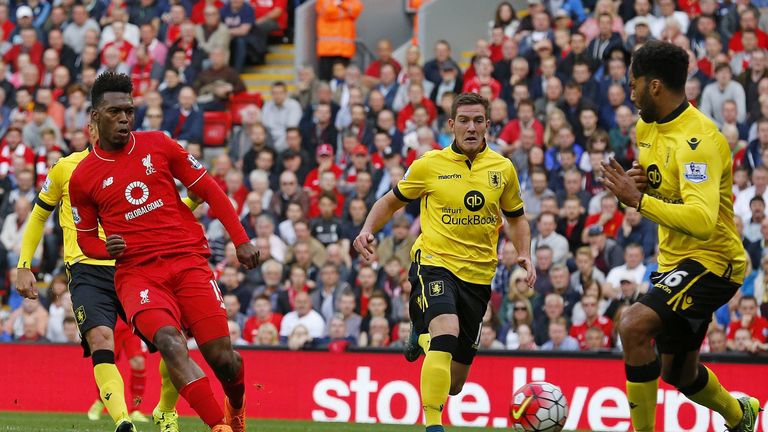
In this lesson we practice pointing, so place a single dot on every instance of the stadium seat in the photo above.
(216, 127)
(241, 100)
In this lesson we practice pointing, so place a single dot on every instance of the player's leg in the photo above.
(95, 305)
(639, 325)
(164, 414)
(163, 329)
(699, 384)
(100, 341)
(228, 367)
(471, 307)
(436, 369)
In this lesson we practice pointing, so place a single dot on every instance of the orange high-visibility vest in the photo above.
(336, 27)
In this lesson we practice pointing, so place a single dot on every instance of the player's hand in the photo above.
(248, 255)
(26, 283)
(115, 245)
(620, 183)
(364, 245)
(525, 262)
(638, 175)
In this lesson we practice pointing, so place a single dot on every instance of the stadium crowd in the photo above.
(304, 168)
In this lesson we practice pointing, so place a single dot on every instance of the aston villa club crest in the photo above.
(494, 179)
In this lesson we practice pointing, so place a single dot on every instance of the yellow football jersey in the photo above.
(688, 165)
(55, 190)
(462, 205)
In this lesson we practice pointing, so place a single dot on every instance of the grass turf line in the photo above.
(50, 422)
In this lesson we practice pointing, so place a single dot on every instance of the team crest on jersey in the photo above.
(194, 162)
(494, 179)
(695, 172)
(436, 288)
(75, 215)
(80, 315)
(147, 162)
(144, 295)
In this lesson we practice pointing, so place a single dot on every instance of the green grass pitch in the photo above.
(50, 422)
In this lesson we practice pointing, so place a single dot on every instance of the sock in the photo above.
(110, 383)
(168, 393)
(235, 389)
(436, 377)
(199, 395)
(706, 390)
(424, 341)
(138, 383)
(642, 386)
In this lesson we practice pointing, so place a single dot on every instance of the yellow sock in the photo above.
(435, 384)
(111, 390)
(642, 403)
(168, 393)
(424, 342)
(715, 397)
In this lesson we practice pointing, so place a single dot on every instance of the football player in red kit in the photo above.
(162, 277)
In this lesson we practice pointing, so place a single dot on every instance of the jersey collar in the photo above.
(458, 155)
(675, 113)
(110, 156)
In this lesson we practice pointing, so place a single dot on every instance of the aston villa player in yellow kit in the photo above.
(466, 191)
(682, 181)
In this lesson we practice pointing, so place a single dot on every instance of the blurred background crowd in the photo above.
(304, 161)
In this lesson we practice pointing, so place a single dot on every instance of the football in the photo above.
(538, 407)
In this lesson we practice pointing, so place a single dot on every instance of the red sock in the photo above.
(199, 395)
(235, 389)
(138, 382)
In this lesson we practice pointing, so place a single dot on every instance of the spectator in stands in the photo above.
(219, 82)
(442, 60)
(593, 319)
(235, 334)
(289, 192)
(558, 338)
(303, 315)
(638, 230)
(336, 33)
(70, 331)
(399, 243)
(759, 187)
(605, 251)
(748, 318)
(74, 33)
(571, 225)
(239, 17)
(232, 305)
(34, 313)
(748, 21)
(609, 218)
(30, 45)
(633, 267)
(384, 56)
(263, 315)
(743, 342)
(319, 130)
(280, 113)
(40, 121)
(606, 38)
(185, 121)
(546, 235)
(724, 88)
(716, 340)
(212, 33)
(13, 228)
(533, 196)
(752, 226)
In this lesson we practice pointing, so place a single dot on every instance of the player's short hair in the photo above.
(663, 61)
(110, 82)
(470, 99)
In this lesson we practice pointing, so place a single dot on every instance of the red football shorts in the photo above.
(181, 285)
(126, 342)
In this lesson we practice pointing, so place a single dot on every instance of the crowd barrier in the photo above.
(371, 387)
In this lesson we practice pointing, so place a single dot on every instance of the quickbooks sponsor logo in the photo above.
(469, 220)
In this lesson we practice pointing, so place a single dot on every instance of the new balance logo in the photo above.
(144, 296)
(107, 182)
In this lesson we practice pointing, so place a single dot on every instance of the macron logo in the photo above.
(107, 182)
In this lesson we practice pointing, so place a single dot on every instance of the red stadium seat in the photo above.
(241, 100)
(216, 128)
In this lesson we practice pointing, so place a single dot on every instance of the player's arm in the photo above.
(46, 202)
(519, 228)
(84, 214)
(412, 186)
(697, 214)
(193, 175)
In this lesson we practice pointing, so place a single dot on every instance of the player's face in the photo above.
(114, 118)
(469, 126)
(641, 97)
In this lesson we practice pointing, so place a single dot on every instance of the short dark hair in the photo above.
(110, 82)
(663, 61)
(470, 99)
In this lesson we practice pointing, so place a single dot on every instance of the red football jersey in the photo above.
(132, 193)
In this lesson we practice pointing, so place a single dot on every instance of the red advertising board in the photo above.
(375, 387)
